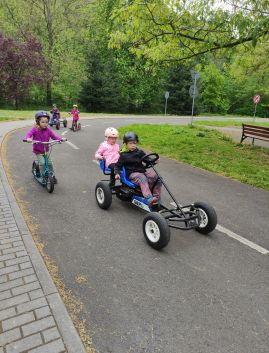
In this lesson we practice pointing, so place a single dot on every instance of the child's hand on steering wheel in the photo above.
(117, 177)
(63, 139)
(29, 140)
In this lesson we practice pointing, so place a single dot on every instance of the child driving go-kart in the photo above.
(131, 159)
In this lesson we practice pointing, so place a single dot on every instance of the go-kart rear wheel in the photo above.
(156, 230)
(207, 217)
(49, 184)
(65, 123)
(103, 195)
(58, 125)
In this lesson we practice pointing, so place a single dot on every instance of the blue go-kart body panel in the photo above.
(137, 200)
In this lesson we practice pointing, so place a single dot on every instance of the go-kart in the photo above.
(156, 224)
(57, 121)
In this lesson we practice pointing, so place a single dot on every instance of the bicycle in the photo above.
(46, 179)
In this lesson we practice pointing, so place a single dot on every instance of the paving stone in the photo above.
(30, 278)
(38, 326)
(3, 278)
(7, 313)
(52, 347)
(6, 294)
(51, 334)
(18, 321)
(12, 240)
(42, 312)
(7, 257)
(5, 246)
(17, 260)
(9, 269)
(33, 304)
(25, 288)
(11, 284)
(9, 336)
(22, 273)
(21, 253)
(25, 265)
(36, 294)
(25, 344)
(14, 301)
(10, 250)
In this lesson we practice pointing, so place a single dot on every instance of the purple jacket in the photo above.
(43, 135)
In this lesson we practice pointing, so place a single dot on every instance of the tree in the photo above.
(177, 30)
(21, 65)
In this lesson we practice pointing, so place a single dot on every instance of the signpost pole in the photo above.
(193, 97)
(255, 112)
(166, 95)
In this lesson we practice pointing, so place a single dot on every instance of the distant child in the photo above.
(109, 150)
(130, 158)
(41, 132)
(55, 114)
(75, 113)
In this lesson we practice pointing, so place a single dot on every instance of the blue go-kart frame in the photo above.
(159, 219)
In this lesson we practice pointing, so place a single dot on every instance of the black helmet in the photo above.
(130, 136)
(41, 114)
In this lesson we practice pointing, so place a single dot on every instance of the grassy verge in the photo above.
(228, 123)
(207, 149)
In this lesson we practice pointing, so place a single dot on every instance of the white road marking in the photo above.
(72, 145)
(242, 240)
(65, 132)
(96, 162)
(85, 125)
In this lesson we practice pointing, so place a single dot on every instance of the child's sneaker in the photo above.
(151, 200)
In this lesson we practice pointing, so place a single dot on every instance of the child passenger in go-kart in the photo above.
(41, 132)
(135, 170)
(109, 150)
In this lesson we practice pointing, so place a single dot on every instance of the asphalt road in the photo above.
(202, 294)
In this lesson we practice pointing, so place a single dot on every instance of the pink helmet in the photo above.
(111, 132)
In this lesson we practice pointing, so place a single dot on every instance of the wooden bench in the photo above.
(255, 132)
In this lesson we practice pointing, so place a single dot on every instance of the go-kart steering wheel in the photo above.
(149, 159)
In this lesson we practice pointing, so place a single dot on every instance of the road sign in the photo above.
(193, 91)
(256, 99)
(195, 74)
(166, 95)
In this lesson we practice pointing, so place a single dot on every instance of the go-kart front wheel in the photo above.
(207, 217)
(65, 123)
(156, 230)
(58, 125)
(103, 195)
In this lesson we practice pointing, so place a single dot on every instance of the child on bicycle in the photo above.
(75, 113)
(41, 132)
(147, 180)
(109, 150)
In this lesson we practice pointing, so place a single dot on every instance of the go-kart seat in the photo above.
(124, 178)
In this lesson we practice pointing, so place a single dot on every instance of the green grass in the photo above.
(207, 149)
(228, 123)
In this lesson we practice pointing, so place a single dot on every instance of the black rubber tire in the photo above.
(79, 126)
(35, 169)
(58, 126)
(50, 184)
(153, 221)
(65, 123)
(209, 217)
(103, 195)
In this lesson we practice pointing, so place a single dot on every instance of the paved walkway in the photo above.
(33, 317)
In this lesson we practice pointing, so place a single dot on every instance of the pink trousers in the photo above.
(146, 181)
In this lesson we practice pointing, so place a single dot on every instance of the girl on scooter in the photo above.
(41, 132)
(109, 150)
(135, 170)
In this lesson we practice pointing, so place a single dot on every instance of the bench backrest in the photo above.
(253, 130)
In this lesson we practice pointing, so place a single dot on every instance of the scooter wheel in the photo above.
(79, 126)
(103, 195)
(207, 217)
(35, 169)
(156, 230)
(58, 126)
(65, 123)
(49, 184)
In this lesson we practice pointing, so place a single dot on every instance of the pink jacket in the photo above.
(110, 153)
(75, 113)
